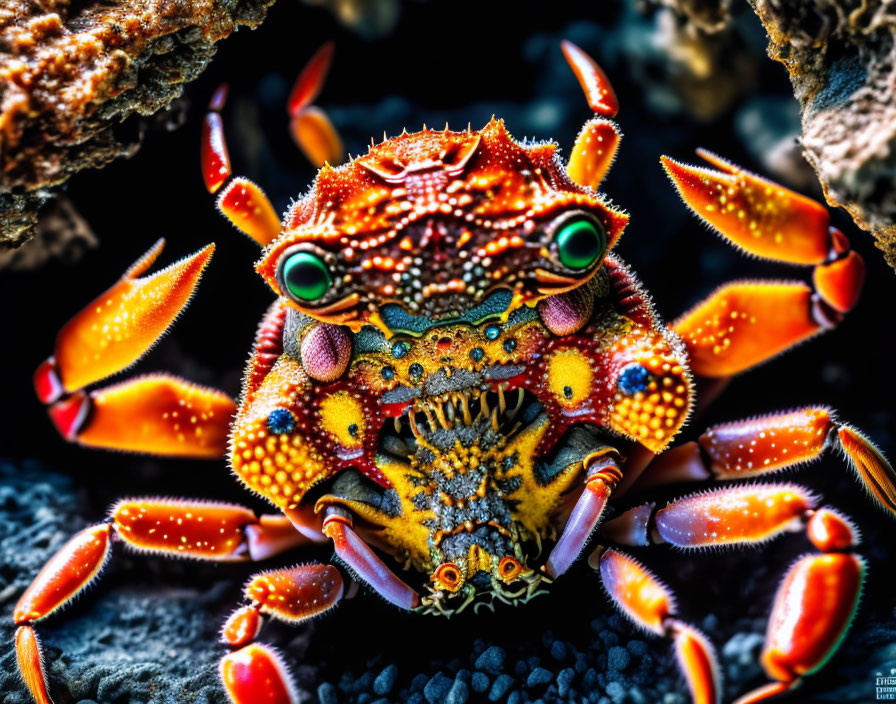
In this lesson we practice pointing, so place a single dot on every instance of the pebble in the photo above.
(500, 687)
(480, 682)
(436, 690)
(491, 660)
(558, 650)
(459, 692)
(638, 648)
(564, 681)
(616, 692)
(419, 682)
(539, 677)
(327, 694)
(618, 658)
(385, 681)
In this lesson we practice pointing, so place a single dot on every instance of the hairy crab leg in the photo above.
(759, 446)
(745, 323)
(180, 528)
(650, 604)
(819, 594)
(603, 476)
(364, 563)
(596, 144)
(255, 672)
(158, 414)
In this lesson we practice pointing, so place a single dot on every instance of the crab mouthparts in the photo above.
(460, 415)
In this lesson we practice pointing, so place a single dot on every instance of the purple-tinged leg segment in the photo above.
(584, 517)
(355, 553)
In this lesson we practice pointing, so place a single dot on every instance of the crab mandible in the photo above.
(457, 370)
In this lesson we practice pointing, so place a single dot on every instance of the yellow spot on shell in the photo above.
(341, 415)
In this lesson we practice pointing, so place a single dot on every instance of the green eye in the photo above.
(580, 241)
(305, 276)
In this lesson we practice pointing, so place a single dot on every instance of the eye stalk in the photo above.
(580, 240)
(303, 276)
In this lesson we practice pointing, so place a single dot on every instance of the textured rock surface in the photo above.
(841, 58)
(70, 73)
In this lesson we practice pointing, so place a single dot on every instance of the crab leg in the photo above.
(242, 202)
(603, 476)
(363, 562)
(597, 142)
(202, 530)
(650, 605)
(255, 672)
(745, 323)
(817, 598)
(159, 414)
(758, 446)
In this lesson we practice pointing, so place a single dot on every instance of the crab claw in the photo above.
(116, 329)
(256, 674)
(759, 216)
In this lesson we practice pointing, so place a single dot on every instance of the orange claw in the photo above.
(593, 152)
(760, 216)
(316, 136)
(310, 81)
(298, 593)
(158, 414)
(745, 323)
(256, 674)
(116, 329)
(31, 664)
(830, 531)
(69, 571)
(597, 87)
(248, 208)
(211, 531)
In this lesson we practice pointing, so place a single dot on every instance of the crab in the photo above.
(456, 378)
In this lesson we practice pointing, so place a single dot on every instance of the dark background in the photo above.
(458, 62)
